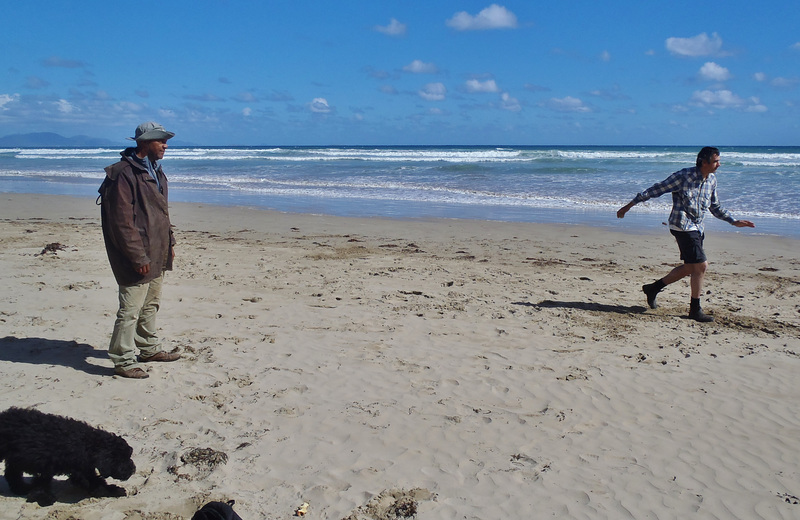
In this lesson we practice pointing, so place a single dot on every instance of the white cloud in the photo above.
(796, 46)
(756, 106)
(567, 104)
(5, 99)
(127, 107)
(64, 106)
(493, 17)
(247, 112)
(388, 89)
(723, 99)
(713, 72)
(433, 92)
(394, 28)
(717, 98)
(605, 56)
(510, 103)
(473, 85)
(781, 82)
(420, 67)
(700, 45)
(319, 106)
(760, 76)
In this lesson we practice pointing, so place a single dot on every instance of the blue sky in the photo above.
(297, 72)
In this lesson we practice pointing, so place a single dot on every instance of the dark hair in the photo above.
(705, 155)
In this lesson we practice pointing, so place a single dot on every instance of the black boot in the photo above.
(696, 313)
(651, 290)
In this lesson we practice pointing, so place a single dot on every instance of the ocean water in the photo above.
(569, 185)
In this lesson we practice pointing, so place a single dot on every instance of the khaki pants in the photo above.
(135, 326)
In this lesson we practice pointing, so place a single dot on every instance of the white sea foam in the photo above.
(420, 154)
(758, 182)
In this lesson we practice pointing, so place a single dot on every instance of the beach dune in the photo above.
(377, 369)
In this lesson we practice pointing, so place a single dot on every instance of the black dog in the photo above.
(45, 445)
(217, 511)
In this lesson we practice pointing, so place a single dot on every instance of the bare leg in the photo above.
(695, 271)
(698, 274)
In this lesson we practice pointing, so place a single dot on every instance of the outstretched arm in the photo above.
(743, 223)
(668, 185)
(624, 209)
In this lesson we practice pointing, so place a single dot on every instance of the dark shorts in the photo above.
(690, 244)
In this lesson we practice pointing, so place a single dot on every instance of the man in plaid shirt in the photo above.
(694, 191)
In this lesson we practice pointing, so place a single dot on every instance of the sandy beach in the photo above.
(449, 368)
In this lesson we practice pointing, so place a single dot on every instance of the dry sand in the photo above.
(379, 368)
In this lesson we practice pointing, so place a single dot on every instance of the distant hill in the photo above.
(50, 139)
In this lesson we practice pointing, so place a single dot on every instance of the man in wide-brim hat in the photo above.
(140, 247)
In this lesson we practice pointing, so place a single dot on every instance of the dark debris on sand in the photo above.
(198, 463)
(53, 248)
(392, 504)
(204, 457)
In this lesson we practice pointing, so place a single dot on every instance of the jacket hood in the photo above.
(112, 172)
(128, 151)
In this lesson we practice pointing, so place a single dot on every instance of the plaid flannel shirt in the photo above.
(692, 196)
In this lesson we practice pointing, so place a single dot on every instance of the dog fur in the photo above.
(45, 445)
(217, 511)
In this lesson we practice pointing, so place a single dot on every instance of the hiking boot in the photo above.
(131, 373)
(161, 356)
(651, 292)
(699, 315)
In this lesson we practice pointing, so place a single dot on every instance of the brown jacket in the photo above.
(135, 216)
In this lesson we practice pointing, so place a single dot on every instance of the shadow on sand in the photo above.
(64, 491)
(41, 351)
(586, 306)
